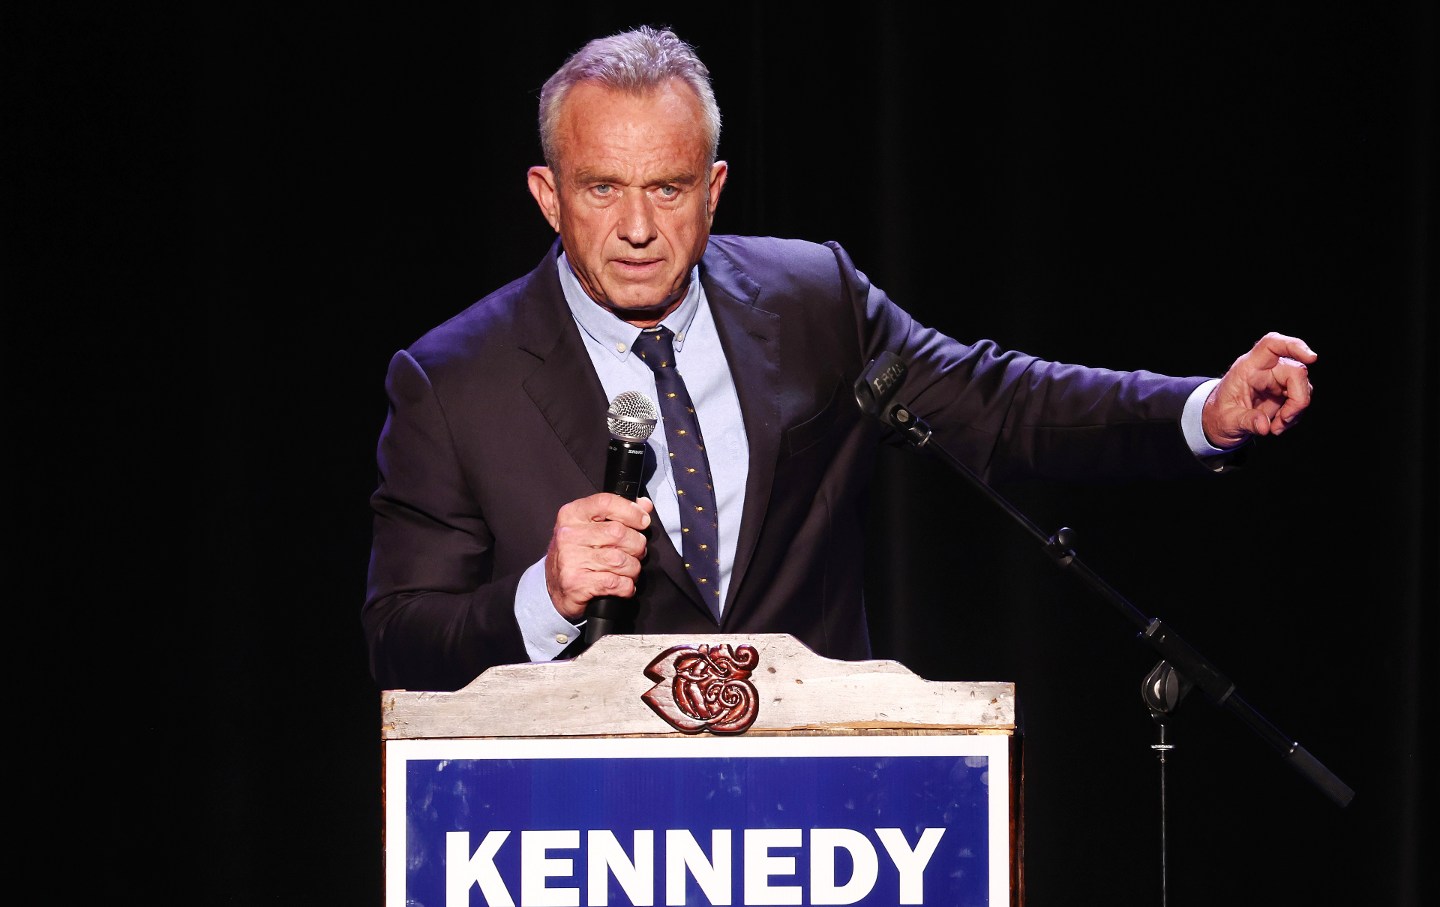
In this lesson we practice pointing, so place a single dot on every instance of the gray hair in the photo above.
(635, 61)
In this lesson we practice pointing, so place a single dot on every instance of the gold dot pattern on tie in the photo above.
(690, 468)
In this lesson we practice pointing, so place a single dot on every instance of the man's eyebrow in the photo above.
(593, 176)
(681, 178)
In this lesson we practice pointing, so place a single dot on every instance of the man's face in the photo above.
(632, 195)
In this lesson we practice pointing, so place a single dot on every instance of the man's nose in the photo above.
(637, 219)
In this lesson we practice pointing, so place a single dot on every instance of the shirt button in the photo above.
(619, 347)
(561, 638)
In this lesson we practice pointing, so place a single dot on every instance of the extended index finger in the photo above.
(1283, 346)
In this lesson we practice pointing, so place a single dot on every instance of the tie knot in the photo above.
(655, 348)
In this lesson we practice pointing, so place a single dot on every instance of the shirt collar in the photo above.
(616, 335)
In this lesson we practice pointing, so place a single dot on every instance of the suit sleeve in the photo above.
(1009, 415)
(434, 616)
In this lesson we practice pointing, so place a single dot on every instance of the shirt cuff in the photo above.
(545, 632)
(1191, 424)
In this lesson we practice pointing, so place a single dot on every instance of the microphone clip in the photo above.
(875, 390)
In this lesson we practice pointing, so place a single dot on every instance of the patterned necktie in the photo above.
(688, 466)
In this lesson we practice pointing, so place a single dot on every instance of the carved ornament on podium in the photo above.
(704, 688)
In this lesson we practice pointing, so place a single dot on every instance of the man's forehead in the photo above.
(634, 139)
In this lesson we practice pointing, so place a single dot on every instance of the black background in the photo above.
(221, 222)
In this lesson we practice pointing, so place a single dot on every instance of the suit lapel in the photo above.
(563, 386)
(750, 338)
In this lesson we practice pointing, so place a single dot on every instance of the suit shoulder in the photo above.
(503, 319)
(774, 265)
(774, 250)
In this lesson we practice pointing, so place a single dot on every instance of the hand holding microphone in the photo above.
(631, 419)
(584, 550)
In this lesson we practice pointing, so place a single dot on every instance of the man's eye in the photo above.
(602, 189)
(668, 191)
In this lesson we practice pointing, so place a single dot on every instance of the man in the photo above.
(492, 531)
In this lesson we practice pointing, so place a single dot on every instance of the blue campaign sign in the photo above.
(869, 820)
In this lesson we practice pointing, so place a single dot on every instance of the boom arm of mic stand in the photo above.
(1190, 664)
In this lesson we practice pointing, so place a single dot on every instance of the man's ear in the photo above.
(542, 187)
(718, 171)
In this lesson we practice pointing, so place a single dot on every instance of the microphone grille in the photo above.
(632, 416)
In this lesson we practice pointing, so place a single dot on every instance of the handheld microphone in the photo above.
(631, 420)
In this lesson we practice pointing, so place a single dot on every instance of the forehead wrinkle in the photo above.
(611, 175)
(628, 172)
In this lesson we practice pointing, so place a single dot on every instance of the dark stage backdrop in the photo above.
(223, 220)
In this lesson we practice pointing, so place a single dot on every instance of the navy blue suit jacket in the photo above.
(497, 419)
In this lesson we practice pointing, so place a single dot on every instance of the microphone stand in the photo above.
(1181, 667)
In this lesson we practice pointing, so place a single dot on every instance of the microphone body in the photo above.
(625, 467)
(631, 419)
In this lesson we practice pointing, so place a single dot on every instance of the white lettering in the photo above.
(760, 865)
(536, 867)
(823, 844)
(683, 853)
(463, 870)
(911, 863)
(607, 857)
(634, 871)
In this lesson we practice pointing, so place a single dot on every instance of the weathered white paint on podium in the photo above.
(599, 694)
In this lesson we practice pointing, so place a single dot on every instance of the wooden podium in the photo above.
(725, 770)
